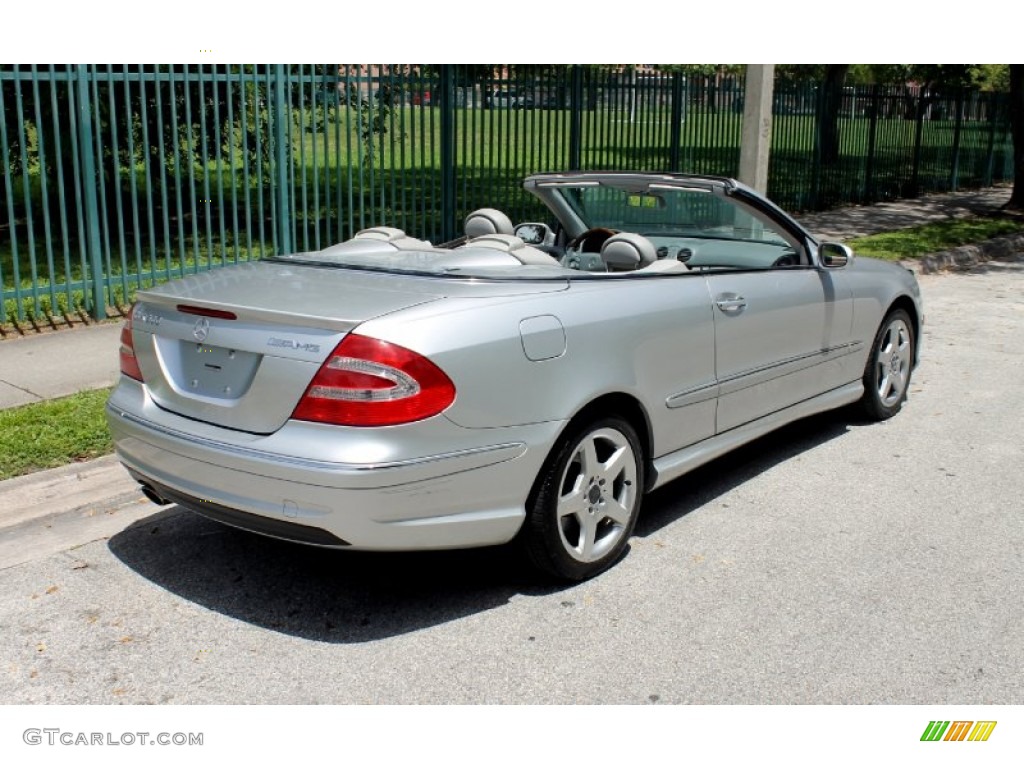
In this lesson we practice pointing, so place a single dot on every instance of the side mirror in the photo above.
(834, 255)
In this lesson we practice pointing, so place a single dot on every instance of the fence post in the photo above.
(755, 144)
(915, 174)
(991, 155)
(869, 171)
(954, 174)
(576, 119)
(98, 310)
(447, 83)
(816, 164)
(282, 159)
(676, 133)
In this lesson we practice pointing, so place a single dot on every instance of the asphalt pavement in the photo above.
(833, 561)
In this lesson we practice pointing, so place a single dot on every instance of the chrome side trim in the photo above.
(678, 463)
(697, 394)
(501, 452)
(755, 376)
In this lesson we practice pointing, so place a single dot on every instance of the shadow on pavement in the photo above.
(705, 484)
(354, 597)
(313, 593)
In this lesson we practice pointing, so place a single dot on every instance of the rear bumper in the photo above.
(434, 486)
(297, 532)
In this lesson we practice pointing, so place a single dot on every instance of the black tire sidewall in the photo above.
(872, 404)
(540, 533)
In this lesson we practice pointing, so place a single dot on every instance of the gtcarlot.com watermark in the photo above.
(55, 736)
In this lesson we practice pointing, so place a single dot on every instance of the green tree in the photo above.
(991, 77)
(1017, 122)
(831, 101)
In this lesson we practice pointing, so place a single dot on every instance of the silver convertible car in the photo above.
(527, 382)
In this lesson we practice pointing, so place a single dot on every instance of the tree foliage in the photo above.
(831, 100)
(985, 77)
(1016, 78)
(931, 79)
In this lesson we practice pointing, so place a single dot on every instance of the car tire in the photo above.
(888, 369)
(585, 502)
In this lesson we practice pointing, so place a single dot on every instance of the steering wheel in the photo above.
(591, 240)
(788, 259)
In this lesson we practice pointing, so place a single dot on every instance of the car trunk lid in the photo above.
(238, 347)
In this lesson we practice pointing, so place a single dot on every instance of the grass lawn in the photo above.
(53, 433)
(915, 242)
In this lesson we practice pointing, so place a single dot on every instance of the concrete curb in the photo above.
(35, 518)
(968, 256)
(100, 482)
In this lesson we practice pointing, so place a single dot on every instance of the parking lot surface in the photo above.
(832, 562)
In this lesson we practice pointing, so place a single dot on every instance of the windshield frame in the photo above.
(550, 189)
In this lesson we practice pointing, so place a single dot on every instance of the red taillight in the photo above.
(371, 383)
(129, 363)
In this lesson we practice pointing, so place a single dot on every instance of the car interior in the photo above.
(605, 250)
(599, 250)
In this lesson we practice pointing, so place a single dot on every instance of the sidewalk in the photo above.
(58, 363)
(862, 220)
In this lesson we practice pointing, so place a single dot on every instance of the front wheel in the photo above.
(890, 362)
(585, 504)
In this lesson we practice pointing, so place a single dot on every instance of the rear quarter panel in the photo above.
(647, 337)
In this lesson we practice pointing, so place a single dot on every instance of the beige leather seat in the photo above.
(392, 236)
(666, 267)
(627, 251)
(514, 247)
(487, 221)
(377, 240)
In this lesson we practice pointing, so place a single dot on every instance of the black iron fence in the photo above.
(117, 177)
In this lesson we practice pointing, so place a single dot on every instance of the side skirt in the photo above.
(678, 463)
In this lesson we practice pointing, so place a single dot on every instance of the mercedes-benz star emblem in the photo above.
(201, 329)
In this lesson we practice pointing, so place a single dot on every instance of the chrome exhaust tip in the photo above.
(153, 496)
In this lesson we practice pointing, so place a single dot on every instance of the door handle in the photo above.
(731, 304)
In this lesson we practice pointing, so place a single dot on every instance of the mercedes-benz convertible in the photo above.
(527, 383)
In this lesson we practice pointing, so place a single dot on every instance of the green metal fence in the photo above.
(121, 176)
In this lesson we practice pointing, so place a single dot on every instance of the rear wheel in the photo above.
(890, 362)
(585, 504)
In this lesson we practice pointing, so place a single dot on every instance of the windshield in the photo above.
(692, 212)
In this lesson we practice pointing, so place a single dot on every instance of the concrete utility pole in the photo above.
(757, 126)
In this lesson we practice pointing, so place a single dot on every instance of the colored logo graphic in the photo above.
(958, 730)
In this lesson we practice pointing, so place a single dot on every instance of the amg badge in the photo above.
(292, 344)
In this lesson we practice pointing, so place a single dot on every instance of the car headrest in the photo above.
(384, 234)
(391, 236)
(487, 221)
(627, 251)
